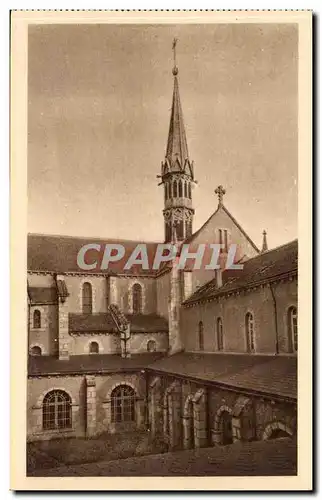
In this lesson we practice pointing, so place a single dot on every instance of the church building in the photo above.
(209, 357)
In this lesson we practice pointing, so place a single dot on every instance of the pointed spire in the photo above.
(264, 245)
(177, 149)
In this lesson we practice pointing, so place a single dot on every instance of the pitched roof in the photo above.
(262, 268)
(271, 375)
(42, 295)
(58, 254)
(221, 206)
(103, 322)
(89, 364)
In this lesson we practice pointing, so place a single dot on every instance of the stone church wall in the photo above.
(45, 337)
(233, 310)
(91, 404)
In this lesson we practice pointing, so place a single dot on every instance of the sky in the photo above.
(99, 101)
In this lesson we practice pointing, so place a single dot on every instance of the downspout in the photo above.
(275, 318)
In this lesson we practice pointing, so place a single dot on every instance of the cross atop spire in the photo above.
(220, 191)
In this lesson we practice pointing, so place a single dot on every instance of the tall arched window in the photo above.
(180, 189)
(170, 190)
(123, 404)
(57, 410)
(292, 328)
(175, 189)
(249, 327)
(201, 336)
(151, 346)
(189, 190)
(36, 351)
(185, 189)
(94, 348)
(220, 335)
(37, 319)
(165, 191)
(87, 298)
(137, 298)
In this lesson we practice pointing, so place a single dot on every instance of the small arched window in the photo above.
(175, 189)
(94, 348)
(36, 351)
(37, 319)
(87, 298)
(292, 328)
(220, 335)
(201, 336)
(137, 298)
(180, 189)
(249, 327)
(123, 404)
(57, 410)
(151, 346)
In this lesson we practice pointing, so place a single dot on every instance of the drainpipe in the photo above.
(275, 318)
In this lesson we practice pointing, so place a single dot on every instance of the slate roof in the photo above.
(102, 322)
(257, 373)
(276, 263)
(42, 295)
(89, 364)
(276, 457)
(58, 254)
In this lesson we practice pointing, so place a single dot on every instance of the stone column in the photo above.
(200, 419)
(175, 342)
(187, 284)
(63, 333)
(175, 419)
(155, 407)
(90, 406)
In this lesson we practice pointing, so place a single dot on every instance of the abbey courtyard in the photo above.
(192, 357)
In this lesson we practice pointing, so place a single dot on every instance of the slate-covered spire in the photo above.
(177, 172)
(177, 149)
(177, 156)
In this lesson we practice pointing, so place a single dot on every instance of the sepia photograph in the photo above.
(162, 311)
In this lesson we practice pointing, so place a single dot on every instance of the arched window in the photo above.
(170, 190)
(94, 348)
(220, 335)
(249, 327)
(123, 404)
(292, 328)
(180, 189)
(201, 336)
(175, 189)
(57, 410)
(137, 298)
(186, 190)
(151, 346)
(189, 190)
(87, 298)
(166, 191)
(37, 319)
(35, 351)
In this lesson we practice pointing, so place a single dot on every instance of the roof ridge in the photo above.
(88, 237)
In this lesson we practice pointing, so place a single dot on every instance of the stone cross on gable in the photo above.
(220, 191)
